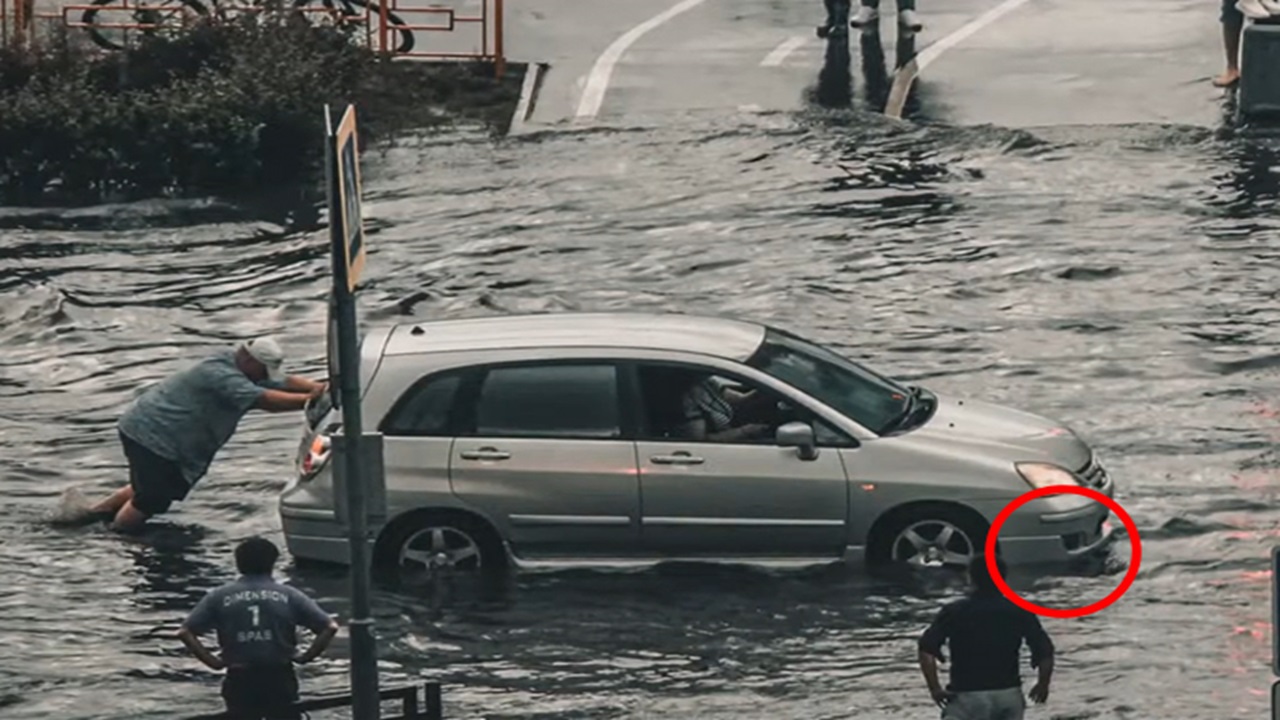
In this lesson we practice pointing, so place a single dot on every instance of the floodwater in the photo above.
(1122, 279)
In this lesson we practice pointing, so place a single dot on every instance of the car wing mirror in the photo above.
(799, 436)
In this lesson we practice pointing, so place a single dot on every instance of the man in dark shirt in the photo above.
(985, 631)
(256, 619)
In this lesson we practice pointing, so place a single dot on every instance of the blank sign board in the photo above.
(347, 152)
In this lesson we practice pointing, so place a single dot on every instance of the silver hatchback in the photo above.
(617, 437)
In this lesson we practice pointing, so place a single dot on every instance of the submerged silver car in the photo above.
(615, 437)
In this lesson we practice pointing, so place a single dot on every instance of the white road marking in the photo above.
(907, 74)
(750, 108)
(602, 72)
(780, 53)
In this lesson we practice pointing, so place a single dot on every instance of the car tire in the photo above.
(428, 544)
(927, 537)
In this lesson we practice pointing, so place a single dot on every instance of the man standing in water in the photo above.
(256, 619)
(985, 631)
(1232, 25)
(172, 432)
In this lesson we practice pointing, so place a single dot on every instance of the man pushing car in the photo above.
(172, 432)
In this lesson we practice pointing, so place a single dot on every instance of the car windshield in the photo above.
(873, 401)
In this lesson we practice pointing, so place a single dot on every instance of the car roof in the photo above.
(719, 337)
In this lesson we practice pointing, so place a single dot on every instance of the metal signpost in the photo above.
(353, 474)
(1275, 631)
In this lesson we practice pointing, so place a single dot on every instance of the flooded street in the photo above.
(1120, 278)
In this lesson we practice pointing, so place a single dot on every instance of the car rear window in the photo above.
(554, 401)
(424, 408)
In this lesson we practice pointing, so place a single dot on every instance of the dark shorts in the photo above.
(261, 693)
(157, 482)
(986, 705)
(1230, 12)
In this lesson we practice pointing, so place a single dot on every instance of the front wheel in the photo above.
(929, 538)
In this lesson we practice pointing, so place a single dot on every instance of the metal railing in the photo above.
(386, 29)
(490, 22)
(432, 707)
(15, 22)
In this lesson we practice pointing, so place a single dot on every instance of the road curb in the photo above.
(534, 73)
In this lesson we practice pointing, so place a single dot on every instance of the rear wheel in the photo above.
(929, 537)
(429, 545)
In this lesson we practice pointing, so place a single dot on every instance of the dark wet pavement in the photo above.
(1121, 278)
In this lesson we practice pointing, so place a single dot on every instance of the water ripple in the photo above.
(1122, 279)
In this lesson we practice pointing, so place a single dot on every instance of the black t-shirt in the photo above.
(985, 633)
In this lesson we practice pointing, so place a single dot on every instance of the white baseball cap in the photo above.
(267, 351)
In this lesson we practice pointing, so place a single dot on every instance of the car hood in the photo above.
(997, 430)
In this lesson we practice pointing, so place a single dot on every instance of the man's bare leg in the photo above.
(77, 512)
(114, 502)
(129, 519)
(1231, 28)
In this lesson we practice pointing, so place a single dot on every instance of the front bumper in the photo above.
(1058, 540)
(1061, 536)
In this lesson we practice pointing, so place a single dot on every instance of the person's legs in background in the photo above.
(1232, 24)
(907, 17)
(868, 13)
(834, 24)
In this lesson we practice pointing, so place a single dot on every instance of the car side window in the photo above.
(672, 399)
(424, 408)
(827, 436)
(571, 400)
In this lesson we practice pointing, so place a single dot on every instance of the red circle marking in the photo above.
(1135, 543)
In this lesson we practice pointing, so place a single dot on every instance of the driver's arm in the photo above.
(696, 430)
(750, 431)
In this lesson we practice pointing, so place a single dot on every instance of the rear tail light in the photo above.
(317, 455)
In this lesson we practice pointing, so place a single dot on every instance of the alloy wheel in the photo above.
(433, 550)
(933, 543)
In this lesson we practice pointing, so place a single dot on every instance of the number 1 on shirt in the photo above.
(253, 610)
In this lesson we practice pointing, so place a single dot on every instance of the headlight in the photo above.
(1041, 475)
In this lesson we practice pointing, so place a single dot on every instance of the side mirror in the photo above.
(799, 436)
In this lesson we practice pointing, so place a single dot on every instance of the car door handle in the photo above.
(680, 458)
(485, 453)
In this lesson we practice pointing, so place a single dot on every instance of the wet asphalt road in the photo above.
(1037, 63)
(1118, 276)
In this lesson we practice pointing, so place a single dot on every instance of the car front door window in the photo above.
(698, 406)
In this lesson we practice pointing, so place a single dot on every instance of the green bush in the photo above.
(219, 108)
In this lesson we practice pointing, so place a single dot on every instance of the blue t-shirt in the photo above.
(190, 415)
(256, 619)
